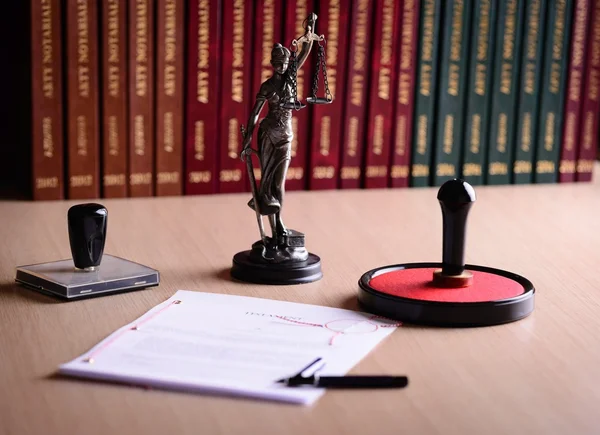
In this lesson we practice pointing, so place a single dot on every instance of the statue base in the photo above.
(280, 262)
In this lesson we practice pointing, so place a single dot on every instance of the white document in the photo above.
(232, 345)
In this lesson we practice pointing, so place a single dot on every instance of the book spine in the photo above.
(267, 22)
(479, 89)
(501, 138)
(141, 98)
(203, 96)
(381, 94)
(327, 119)
(356, 100)
(591, 100)
(452, 91)
(554, 82)
(236, 89)
(573, 105)
(296, 12)
(47, 119)
(114, 99)
(169, 97)
(82, 94)
(425, 103)
(403, 134)
(529, 93)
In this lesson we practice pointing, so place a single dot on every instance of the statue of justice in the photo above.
(274, 140)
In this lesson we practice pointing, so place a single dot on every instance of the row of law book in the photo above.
(139, 98)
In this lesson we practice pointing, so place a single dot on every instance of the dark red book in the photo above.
(114, 98)
(591, 100)
(82, 99)
(382, 93)
(236, 57)
(203, 92)
(573, 104)
(405, 84)
(141, 98)
(46, 88)
(353, 129)
(267, 23)
(169, 97)
(333, 20)
(296, 12)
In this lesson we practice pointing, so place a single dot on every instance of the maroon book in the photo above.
(46, 88)
(268, 31)
(573, 103)
(296, 12)
(333, 20)
(141, 98)
(114, 98)
(405, 84)
(235, 92)
(356, 95)
(591, 100)
(169, 97)
(203, 92)
(386, 44)
(82, 100)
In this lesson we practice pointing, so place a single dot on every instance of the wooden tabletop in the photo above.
(540, 375)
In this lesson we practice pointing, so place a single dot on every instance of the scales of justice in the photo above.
(281, 258)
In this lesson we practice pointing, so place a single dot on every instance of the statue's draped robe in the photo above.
(274, 147)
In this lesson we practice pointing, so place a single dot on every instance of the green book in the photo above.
(452, 90)
(505, 91)
(554, 81)
(427, 76)
(529, 93)
(481, 60)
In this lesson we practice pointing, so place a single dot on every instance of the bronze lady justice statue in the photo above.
(282, 258)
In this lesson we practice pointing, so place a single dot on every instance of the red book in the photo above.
(169, 97)
(591, 100)
(202, 102)
(406, 84)
(114, 99)
(82, 97)
(386, 44)
(141, 98)
(333, 20)
(267, 22)
(296, 12)
(236, 56)
(573, 104)
(356, 95)
(47, 119)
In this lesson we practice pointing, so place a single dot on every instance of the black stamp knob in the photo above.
(87, 234)
(456, 198)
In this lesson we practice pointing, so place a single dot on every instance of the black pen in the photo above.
(347, 381)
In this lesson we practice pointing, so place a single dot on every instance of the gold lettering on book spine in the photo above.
(170, 48)
(358, 62)
(425, 70)
(533, 30)
(455, 48)
(202, 73)
(47, 70)
(268, 39)
(83, 49)
(325, 142)
(141, 48)
(378, 132)
(508, 46)
(406, 52)
(526, 135)
(113, 47)
(557, 46)
(333, 41)
(47, 137)
(199, 143)
(237, 73)
(475, 143)
(352, 144)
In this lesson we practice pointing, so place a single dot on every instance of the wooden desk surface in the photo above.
(536, 376)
